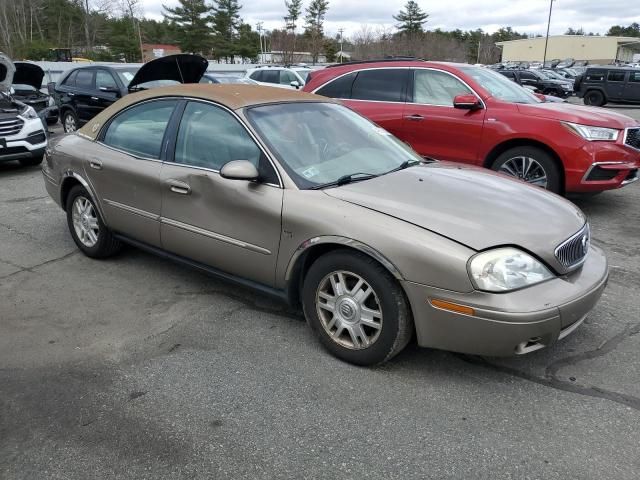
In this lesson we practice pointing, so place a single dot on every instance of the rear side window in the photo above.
(528, 76)
(70, 81)
(338, 88)
(594, 75)
(383, 85)
(634, 77)
(257, 76)
(615, 76)
(509, 75)
(270, 76)
(140, 129)
(84, 79)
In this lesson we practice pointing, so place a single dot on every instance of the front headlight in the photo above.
(505, 269)
(28, 113)
(593, 133)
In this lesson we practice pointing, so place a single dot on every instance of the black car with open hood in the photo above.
(85, 91)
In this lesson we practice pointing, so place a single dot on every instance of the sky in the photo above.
(526, 16)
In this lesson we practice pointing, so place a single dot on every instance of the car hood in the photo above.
(28, 74)
(472, 206)
(566, 112)
(7, 69)
(183, 68)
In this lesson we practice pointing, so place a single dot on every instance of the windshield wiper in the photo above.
(403, 165)
(343, 180)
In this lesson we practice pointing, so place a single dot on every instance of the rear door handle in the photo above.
(415, 117)
(96, 164)
(179, 187)
(95, 98)
(71, 94)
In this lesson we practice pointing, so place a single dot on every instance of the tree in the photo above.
(190, 18)
(294, 10)
(411, 19)
(226, 20)
(248, 43)
(330, 50)
(632, 30)
(571, 31)
(314, 28)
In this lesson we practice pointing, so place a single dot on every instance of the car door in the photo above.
(530, 79)
(106, 90)
(82, 93)
(124, 169)
(615, 84)
(380, 95)
(632, 87)
(435, 128)
(231, 225)
(286, 77)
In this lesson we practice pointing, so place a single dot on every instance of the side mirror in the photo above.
(51, 88)
(540, 96)
(295, 84)
(239, 170)
(114, 90)
(467, 102)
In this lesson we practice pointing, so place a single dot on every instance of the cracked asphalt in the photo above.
(135, 367)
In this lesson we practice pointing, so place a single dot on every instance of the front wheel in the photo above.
(69, 121)
(594, 98)
(356, 308)
(87, 229)
(532, 165)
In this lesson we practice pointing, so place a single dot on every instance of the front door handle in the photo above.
(96, 164)
(179, 187)
(95, 98)
(415, 117)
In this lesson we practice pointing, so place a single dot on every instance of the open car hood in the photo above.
(7, 69)
(28, 74)
(183, 68)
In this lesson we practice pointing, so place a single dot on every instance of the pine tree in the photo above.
(411, 19)
(226, 20)
(294, 10)
(190, 18)
(314, 28)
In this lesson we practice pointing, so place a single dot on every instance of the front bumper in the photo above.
(30, 142)
(510, 323)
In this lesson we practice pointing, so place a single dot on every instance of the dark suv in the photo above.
(84, 92)
(541, 82)
(599, 85)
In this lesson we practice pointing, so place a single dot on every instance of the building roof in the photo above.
(233, 96)
(621, 40)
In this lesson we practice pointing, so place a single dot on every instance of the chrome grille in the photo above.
(632, 137)
(573, 251)
(10, 126)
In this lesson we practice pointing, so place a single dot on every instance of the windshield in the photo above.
(499, 86)
(126, 75)
(320, 143)
(303, 74)
(21, 87)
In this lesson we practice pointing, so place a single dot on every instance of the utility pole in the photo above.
(546, 41)
(341, 31)
(259, 29)
(479, 45)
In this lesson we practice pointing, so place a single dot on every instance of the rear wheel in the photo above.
(530, 164)
(87, 229)
(356, 308)
(69, 121)
(595, 98)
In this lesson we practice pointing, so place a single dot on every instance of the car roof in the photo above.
(233, 96)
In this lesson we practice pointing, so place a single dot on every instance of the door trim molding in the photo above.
(130, 209)
(216, 236)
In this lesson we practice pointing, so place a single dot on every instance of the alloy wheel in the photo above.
(349, 310)
(69, 123)
(85, 221)
(527, 169)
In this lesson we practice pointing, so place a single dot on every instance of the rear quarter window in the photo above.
(634, 77)
(594, 76)
(615, 76)
(339, 87)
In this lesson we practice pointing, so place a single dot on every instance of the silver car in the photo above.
(298, 196)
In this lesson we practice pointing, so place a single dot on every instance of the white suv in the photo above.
(22, 133)
(282, 77)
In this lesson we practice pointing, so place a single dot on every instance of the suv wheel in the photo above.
(594, 98)
(530, 164)
(69, 121)
(356, 308)
(86, 226)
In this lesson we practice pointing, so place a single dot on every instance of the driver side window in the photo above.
(209, 137)
(432, 87)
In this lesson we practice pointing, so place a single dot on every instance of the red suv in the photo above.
(474, 115)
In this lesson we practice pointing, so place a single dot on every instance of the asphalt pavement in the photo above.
(135, 367)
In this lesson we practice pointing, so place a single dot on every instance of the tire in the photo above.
(353, 341)
(514, 162)
(69, 121)
(104, 244)
(31, 162)
(594, 98)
